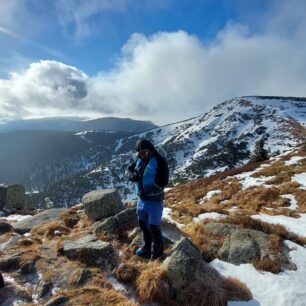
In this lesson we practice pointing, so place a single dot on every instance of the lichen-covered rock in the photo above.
(220, 229)
(26, 225)
(108, 225)
(244, 246)
(184, 266)
(102, 203)
(117, 222)
(90, 250)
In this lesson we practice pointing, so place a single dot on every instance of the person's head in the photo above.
(144, 147)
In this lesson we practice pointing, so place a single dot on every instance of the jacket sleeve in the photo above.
(130, 172)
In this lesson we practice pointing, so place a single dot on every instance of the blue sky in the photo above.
(131, 58)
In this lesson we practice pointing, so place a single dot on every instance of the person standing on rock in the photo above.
(150, 172)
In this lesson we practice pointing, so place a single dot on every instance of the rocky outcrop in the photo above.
(12, 197)
(241, 245)
(91, 251)
(185, 266)
(102, 203)
(26, 225)
(117, 222)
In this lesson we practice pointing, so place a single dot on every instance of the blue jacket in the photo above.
(143, 174)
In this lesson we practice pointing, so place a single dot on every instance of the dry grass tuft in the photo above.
(236, 290)
(202, 293)
(128, 272)
(152, 284)
(70, 217)
(268, 264)
(49, 230)
(96, 296)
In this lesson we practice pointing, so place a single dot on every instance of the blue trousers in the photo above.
(149, 218)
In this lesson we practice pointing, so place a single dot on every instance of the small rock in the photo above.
(58, 301)
(102, 203)
(138, 240)
(5, 227)
(26, 225)
(126, 216)
(28, 267)
(79, 277)
(90, 250)
(108, 225)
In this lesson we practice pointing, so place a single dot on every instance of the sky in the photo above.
(158, 60)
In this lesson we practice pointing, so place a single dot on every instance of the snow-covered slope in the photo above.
(222, 138)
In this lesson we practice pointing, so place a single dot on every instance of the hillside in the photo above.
(221, 139)
(247, 223)
(71, 124)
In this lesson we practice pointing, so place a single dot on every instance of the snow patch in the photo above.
(167, 217)
(301, 179)
(293, 201)
(209, 195)
(285, 288)
(295, 225)
(294, 160)
(210, 215)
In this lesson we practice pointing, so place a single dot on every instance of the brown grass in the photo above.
(70, 217)
(236, 290)
(96, 296)
(268, 264)
(48, 230)
(152, 284)
(202, 293)
(128, 272)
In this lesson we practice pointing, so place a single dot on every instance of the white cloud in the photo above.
(170, 76)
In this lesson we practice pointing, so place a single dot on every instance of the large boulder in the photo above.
(102, 203)
(90, 250)
(220, 229)
(244, 246)
(186, 265)
(26, 225)
(117, 222)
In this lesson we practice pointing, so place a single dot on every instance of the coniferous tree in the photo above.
(260, 153)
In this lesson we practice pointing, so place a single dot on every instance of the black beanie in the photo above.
(144, 144)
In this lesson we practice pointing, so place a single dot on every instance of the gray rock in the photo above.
(102, 203)
(5, 227)
(220, 229)
(244, 246)
(11, 242)
(90, 250)
(185, 265)
(58, 301)
(117, 222)
(108, 225)
(26, 225)
(126, 216)
(138, 240)
(80, 277)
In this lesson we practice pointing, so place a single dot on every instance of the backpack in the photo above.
(162, 171)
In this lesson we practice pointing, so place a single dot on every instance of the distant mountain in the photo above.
(38, 159)
(74, 124)
(223, 138)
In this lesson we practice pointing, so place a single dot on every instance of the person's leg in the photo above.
(154, 220)
(143, 224)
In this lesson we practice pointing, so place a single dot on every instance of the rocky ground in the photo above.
(235, 236)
